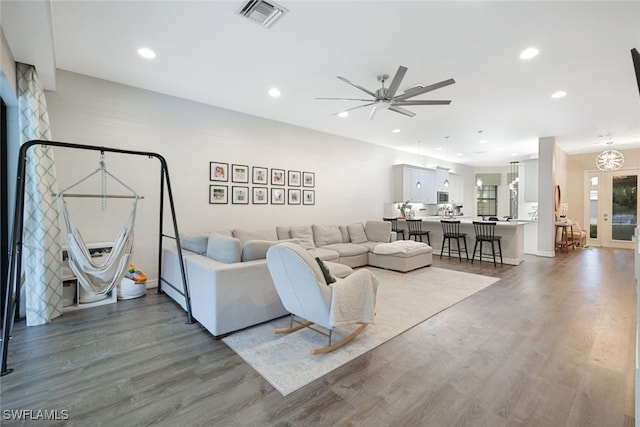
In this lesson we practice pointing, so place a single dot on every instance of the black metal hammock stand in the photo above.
(11, 297)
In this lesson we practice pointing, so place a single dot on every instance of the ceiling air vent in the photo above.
(262, 12)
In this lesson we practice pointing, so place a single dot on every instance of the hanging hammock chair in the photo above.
(99, 276)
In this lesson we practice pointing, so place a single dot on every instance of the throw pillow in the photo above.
(256, 249)
(224, 249)
(356, 232)
(325, 272)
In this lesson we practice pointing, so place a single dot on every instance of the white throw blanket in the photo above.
(354, 299)
(397, 247)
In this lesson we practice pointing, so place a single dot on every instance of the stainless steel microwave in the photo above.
(442, 197)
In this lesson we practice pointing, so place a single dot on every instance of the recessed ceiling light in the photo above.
(396, 131)
(514, 154)
(528, 53)
(559, 94)
(458, 154)
(438, 148)
(343, 114)
(274, 92)
(145, 52)
(500, 149)
(482, 141)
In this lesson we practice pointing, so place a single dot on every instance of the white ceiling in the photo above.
(207, 53)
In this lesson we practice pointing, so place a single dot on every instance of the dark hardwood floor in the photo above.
(551, 344)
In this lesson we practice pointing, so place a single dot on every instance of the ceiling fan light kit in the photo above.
(386, 98)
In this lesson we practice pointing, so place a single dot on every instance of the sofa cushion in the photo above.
(378, 231)
(345, 234)
(370, 245)
(224, 249)
(324, 254)
(283, 232)
(326, 234)
(347, 249)
(356, 233)
(256, 249)
(194, 242)
(303, 235)
(245, 235)
(226, 233)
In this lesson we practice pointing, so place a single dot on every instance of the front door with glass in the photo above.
(611, 206)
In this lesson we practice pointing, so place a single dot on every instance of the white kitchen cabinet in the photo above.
(442, 174)
(405, 186)
(456, 188)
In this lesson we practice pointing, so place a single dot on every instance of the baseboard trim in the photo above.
(548, 254)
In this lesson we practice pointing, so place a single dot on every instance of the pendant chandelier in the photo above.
(609, 159)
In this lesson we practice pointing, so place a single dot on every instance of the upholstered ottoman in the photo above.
(401, 255)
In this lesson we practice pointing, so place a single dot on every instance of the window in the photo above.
(487, 200)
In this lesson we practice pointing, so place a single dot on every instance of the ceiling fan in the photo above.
(385, 98)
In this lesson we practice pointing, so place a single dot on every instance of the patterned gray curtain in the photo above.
(41, 281)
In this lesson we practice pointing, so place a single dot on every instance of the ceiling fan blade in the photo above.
(345, 99)
(357, 85)
(395, 83)
(420, 90)
(402, 111)
(373, 112)
(354, 108)
(421, 102)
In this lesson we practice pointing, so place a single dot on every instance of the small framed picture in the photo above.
(277, 196)
(239, 173)
(308, 179)
(294, 179)
(260, 175)
(240, 195)
(294, 196)
(260, 195)
(308, 197)
(277, 176)
(218, 171)
(218, 194)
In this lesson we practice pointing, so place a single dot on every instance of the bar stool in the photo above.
(415, 229)
(451, 230)
(485, 232)
(394, 225)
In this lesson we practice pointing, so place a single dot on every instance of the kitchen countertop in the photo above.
(469, 219)
(512, 233)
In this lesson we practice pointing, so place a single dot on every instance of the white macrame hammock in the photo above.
(99, 276)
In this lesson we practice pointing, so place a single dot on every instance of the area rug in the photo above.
(403, 301)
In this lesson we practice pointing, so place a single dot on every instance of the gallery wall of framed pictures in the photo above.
(268, 185)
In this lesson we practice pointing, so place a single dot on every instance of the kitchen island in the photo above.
(512, 233)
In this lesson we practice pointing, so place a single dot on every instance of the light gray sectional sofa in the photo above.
(229, 282)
